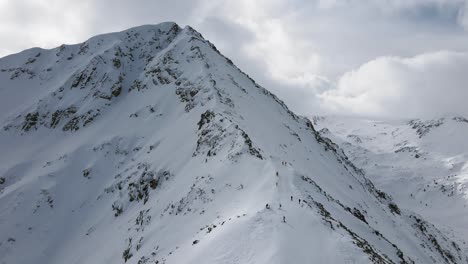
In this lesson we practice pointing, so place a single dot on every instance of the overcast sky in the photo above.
(385, 58)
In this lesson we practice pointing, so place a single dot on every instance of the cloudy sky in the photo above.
(384, 58)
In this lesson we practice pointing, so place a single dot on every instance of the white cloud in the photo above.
(463, 16)
(29, 23)
(298, 49)
(426, 85)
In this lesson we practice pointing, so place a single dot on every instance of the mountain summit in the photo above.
(149, 146)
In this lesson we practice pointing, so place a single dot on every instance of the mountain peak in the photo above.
(148, 145)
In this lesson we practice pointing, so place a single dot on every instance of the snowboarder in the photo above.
(284, 219)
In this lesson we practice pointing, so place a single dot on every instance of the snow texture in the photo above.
(149, 146)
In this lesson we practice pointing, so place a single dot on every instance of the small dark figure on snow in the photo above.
(284, 219)
(299, 201)
(280, 206)
(267, 206)
(291, 198)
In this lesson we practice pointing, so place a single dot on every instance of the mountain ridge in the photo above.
(159, 149)
(420, 162)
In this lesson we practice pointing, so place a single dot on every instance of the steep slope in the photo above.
(149, 146)
(422, 163)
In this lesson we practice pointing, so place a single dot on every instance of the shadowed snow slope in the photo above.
(423, 164)
(149, 146)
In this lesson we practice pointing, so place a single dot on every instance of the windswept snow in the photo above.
(149, 146)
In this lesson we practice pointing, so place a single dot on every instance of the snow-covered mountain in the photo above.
(149, 146)
(423, 164)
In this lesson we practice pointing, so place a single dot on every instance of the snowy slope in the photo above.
(149, 146)
(423, 164)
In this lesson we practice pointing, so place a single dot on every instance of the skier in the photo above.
(280, 206)
(299, 201)
(284, 219)
(267, 206)
(291, 198)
